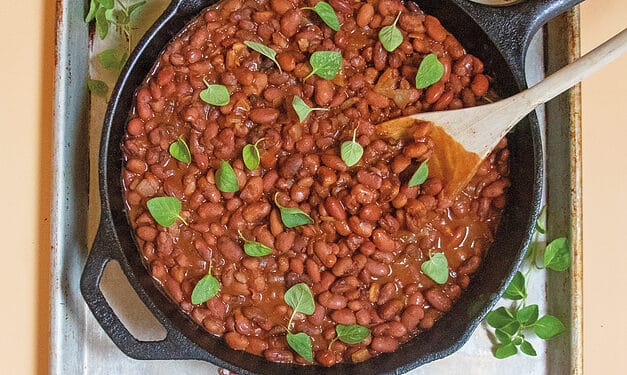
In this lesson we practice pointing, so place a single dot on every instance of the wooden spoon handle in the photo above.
(575, 72)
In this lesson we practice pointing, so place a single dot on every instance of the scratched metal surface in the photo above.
(80, 346)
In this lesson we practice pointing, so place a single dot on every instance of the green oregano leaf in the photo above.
(511, 328)
(93, 7)
(420, 176)
(502, 336)
(301, 344)
(528, 315)
(250, 155)
(165, 210)
(327, 14)
(436, 268)
(134, 7)
(557, 255)
(264, 50)
(527, 348)
(429, 72)
(325, 64)
(226, 179)
(300, 299)
(351, 151)
(107, 4)
(254, 248)
(548, 327)
(180, 151)
(205, 289)
(390, 36)
(504, 351)
(97, 87)
(351, 334)
(293, 217)
(112, 59)
(302, 109)
(500, 317)
(217, 95)
(541, 222)
(516, 289)
(102, 24)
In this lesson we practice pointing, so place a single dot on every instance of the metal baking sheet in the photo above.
(80, 346)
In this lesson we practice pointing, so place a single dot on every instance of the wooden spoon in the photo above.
(464, 137)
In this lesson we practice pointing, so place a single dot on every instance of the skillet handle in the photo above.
(103, 251)
(512, 27)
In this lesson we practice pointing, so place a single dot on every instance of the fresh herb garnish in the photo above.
(165, 210)
(97, 87)
(512, 324)
(264, 50)
(112, 59)
(217, 95)
(206, 288)
(516, 290)
(300, 299)
(301, 343)
(327, 14)
(429, 72)
(254, 248)
(541, 222)
(436, 268)
(292, 217)
(250, 155)
(390, 36)
(557, 255)
(325, 64)
(350, 334)
(180, 151)
(105, 13)
(421, 174)
(302, 109)
(226, 179)
(351, 151)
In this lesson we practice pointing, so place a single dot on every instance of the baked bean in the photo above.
(343, 316)
(365, 14)
(264, 115)
(435, 29)
(479, 85)
(438, 299)
(384, 344)
(412, 316)
(147, 233)
(332, 301)
(278, 355)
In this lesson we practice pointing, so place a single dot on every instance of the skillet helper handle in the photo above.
(577, 71)
(512, 27)
(103, 251)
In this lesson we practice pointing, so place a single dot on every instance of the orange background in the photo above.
(26, 67)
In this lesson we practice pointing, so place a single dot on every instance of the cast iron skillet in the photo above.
(498, 36)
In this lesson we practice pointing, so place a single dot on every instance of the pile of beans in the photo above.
(362, 255)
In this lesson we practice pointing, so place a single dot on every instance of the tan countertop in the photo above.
(27, 64)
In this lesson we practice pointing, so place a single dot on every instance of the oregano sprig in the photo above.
(292, 217)
(512, 325)
(254, 248)
(325, 64)
(390, 36)
(300, 299)
(302, 109)
(250, 155)
(351, 151)
(326, 12)
(265, 51)
(206, 288)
